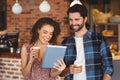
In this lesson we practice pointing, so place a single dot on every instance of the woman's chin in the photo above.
(44, 43)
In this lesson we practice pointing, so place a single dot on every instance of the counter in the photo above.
(116, 57)
(116, 66)
(9, 55)
(10, 66)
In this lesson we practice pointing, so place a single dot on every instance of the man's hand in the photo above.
(106, 77)
(75, 69)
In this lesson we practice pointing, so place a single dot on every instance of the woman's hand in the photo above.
(60, 66)
(33, 54)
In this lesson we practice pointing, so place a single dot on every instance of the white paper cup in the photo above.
(78, 65)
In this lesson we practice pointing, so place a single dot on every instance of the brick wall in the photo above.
(23, 22)
(10, 69)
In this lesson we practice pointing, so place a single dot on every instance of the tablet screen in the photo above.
(52, 54)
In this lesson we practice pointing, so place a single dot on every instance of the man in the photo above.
(88, 55)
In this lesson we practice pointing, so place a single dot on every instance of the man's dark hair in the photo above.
(39, 24)
(78, 8)
(81, 9)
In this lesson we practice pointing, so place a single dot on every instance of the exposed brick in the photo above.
(15, 61)
(18, 65)
(6, 60)
(2, 72)
(15, 77)
(0, 76)
(7, 68)
(0, 68)
(7, 76)
(10, 72)
(10, 64)
(31, 13)
(14, 69)
(2, 64)
(16, 73)
(0, 60)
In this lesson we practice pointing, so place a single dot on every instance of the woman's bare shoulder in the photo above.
(25, 48)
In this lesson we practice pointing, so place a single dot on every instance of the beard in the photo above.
(80, 26)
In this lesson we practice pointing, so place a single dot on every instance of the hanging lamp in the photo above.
(16, 8)
(75, 2)
(44, 6)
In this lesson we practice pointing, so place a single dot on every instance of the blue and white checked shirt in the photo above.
(98, 58)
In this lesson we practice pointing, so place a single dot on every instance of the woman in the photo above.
(44, 32)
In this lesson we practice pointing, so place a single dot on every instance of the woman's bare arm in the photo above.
(26, 65)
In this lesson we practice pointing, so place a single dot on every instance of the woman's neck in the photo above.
(39, 43)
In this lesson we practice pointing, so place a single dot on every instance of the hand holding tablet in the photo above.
(52, 54)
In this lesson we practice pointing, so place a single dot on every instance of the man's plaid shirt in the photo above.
(98, 59)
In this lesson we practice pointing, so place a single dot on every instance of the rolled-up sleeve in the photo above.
(106, 58)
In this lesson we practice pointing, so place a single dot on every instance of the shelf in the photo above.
(107, 23)
(114, 36)
(111, 24)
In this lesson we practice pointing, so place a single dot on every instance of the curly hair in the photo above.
(39, 24)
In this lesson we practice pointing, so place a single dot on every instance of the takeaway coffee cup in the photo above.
(37, 50)
(77, 64)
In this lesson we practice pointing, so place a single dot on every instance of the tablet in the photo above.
(52, 54)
